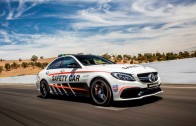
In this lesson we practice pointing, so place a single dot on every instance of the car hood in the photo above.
(126, 68)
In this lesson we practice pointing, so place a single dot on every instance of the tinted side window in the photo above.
(99, 61)
(69, 62)
(56, 64)
(92, 60)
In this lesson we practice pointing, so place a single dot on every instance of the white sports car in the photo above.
(98, 78)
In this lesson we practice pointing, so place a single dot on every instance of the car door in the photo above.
(64, 77)
(74, 82)
(52, 72)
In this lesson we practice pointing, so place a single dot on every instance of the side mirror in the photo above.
(72, 65)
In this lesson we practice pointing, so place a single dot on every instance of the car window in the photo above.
(56, 64)
(69, 62)
(65, 62)
(92, 60)
(99, 61)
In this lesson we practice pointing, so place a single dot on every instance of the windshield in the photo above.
(92, 60)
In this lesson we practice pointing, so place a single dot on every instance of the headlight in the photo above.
(123, 76)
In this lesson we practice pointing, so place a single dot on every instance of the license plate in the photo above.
(152, 85)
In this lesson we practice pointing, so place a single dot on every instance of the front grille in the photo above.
(145, 77)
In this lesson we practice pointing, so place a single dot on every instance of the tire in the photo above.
(100, 92)
(44, 89)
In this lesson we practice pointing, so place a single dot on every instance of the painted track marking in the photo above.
(193, 87)
(110, 108)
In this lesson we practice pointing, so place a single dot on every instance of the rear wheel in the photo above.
(44, 89)
(101, 93)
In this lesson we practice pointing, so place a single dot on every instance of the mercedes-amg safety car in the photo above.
(98, 78)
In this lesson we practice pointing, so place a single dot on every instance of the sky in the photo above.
(51, 27)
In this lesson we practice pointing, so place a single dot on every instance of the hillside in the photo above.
(22, 71)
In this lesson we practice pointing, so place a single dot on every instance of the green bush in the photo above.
(38, 64)
(119, 58)
(44, 65)
(1, 69)
(34, 58)
(32, 64)
(7, 66)
(14, 65)
(131, 62)
(24, 64)
(106, 56)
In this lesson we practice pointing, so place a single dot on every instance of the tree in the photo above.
(170, 56)
(140, 57)
(20, 59)
(14, 65)
(119, 58)
(106, 55)
(186, 54)
(1, 60)
(24, 64)
(148, 57)
(134, 58)
(1, 69)
(131, 62)
(159, 56)
(43, 65)
(175, 56)
(163, 57)
(7, 66)
(193, 54)
(32, 64)
(41, 57)
(127, 57)
(38, 64)
(34, 58)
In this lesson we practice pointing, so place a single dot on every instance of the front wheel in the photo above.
(44, 89)
(101, 93)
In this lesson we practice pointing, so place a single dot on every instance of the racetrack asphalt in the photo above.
(20, 105)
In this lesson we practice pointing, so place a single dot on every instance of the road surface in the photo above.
(20, 105)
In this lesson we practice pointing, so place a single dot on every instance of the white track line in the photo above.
(193, 87)
(110, 108)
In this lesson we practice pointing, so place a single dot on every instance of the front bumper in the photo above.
(124, 90)
(138, 93)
